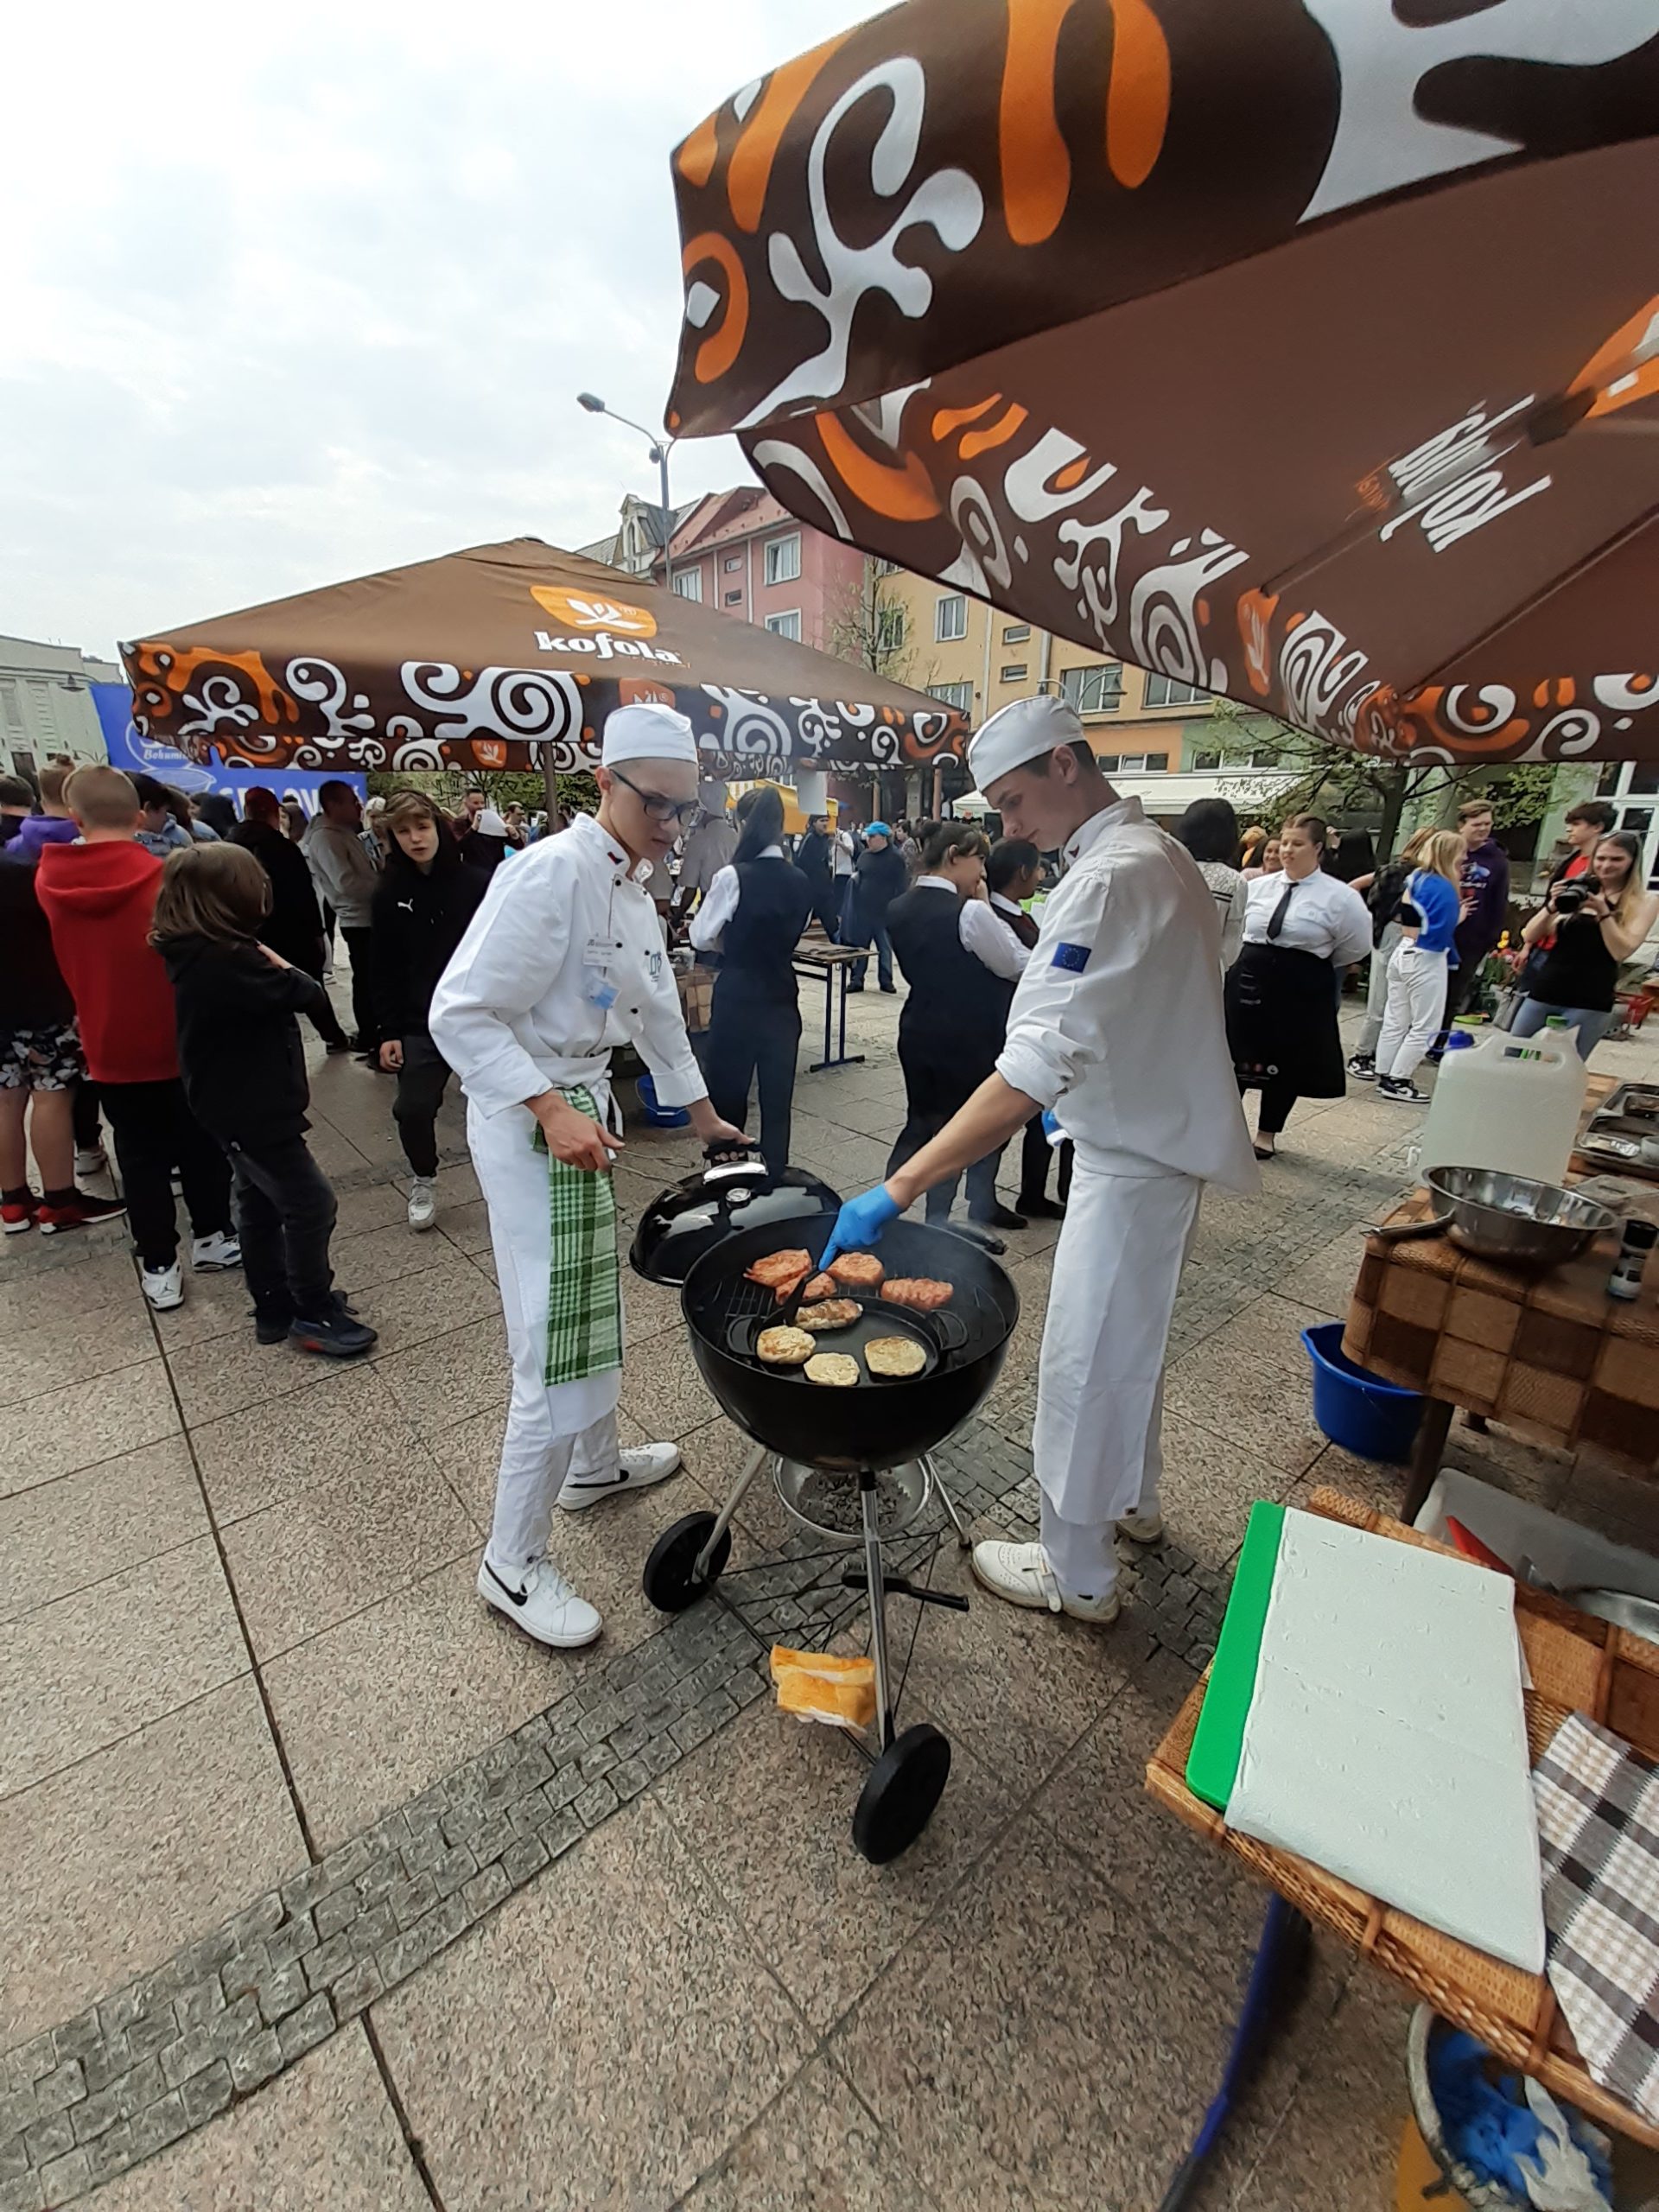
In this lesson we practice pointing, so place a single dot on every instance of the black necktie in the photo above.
(1279, 913)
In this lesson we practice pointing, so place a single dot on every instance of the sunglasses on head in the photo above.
(657, 808)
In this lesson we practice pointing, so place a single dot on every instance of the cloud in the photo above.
(298, 293)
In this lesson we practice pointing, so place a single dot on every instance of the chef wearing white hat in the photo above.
(563, 962)
(1116, 1026)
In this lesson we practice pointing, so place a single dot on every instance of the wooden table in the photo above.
(1577, 1664)
(1551, 1356)
(814, 956)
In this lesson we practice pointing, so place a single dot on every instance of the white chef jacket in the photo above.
(1326, 917)
(720, 903)
(518, 1011)
(1117, 1023)
(981, 933)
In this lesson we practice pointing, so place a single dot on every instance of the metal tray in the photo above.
(1623, 1131)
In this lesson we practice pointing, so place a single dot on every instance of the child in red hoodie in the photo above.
(99, 897)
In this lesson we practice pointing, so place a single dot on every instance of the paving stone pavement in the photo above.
(187, 2041)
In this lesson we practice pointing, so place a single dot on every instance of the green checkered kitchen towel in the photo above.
(584, 1286)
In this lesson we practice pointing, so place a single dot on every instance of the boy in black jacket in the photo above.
(422, 909)
(244, 1074)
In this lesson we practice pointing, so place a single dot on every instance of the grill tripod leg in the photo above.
(875, 1582)
(752, 1466)
(953, 1511)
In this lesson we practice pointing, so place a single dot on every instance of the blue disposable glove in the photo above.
(861, 1222)
(1051, 1128)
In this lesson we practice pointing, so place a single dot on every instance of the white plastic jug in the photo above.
(1507, 1103)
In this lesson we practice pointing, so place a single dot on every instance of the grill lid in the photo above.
(683, 1223)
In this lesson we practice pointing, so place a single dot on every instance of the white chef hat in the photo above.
(648, 732)
(1022, 731)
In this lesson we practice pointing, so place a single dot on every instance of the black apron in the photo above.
(1282, 1021)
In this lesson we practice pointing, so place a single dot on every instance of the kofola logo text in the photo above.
(610, 629)
(1453, 484)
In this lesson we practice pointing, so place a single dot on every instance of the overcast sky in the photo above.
(295, 293)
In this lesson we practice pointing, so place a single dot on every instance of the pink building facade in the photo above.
(741, 552)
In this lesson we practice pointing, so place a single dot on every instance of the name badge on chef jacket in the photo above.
(599, 956)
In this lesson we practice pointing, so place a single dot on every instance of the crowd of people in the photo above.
(162, 951)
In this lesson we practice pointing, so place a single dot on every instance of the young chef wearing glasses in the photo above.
(563, 962)
(1117, 1026)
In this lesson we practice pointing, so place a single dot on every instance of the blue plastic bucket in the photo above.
(660, 1117)
(1372, 1419)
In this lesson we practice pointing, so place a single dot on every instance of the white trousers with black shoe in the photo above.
(1416, 1002)
(1095, 1444)
(554, 1429)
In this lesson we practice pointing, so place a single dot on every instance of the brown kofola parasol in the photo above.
(511, 656)
(1307, 350)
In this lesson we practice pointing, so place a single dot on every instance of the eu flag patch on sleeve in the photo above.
(1074, 957)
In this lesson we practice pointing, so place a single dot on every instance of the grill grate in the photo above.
(952, 1330)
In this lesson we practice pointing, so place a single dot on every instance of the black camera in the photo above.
(1569, 897)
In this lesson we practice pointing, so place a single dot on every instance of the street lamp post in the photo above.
(595, 405)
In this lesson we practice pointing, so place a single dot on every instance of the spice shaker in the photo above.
(1640, 1237)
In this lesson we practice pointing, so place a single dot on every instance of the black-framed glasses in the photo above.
(657, 807)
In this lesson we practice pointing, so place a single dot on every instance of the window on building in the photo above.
(1607, 782)
(734, 561)
(1644, 778)
(951, 617)
(1016, 633)
(1206, 760)
(1014, 672)
(1164, 691)
(1266, 756)
(784, 558)
(959, 696)
(733, 598)
(786, 625)
(1136, 764)
(688, 582)
(880, 568)
(1095, 690)
(889, 628)
(11, 710)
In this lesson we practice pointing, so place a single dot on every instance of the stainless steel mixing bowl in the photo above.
(1513, 1221)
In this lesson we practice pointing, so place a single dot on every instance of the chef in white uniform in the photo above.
(1117, 1027)
(563, 962)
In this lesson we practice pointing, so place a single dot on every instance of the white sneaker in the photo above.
(636, 1469)
(1022, 1573)
(210, 1254)
(1141, 1528)
(164, 1287)
(91, 1160)
(422, 1203)
(541, 1602)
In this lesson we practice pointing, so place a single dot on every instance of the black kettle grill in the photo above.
(872, 1443)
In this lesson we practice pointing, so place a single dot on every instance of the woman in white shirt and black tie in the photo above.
(1301, 928)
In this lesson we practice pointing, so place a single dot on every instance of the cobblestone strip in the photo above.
(93, 2097)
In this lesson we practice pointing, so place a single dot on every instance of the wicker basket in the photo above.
(1577, 1664)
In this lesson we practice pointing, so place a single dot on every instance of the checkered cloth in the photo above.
(584, 1286)
(1599, 1837)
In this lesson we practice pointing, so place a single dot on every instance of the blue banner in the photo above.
(143, 756)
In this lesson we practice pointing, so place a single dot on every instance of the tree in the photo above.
(867, 626)
(1335, 780)
(503, 787)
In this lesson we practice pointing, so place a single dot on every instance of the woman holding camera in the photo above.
(1587, 929)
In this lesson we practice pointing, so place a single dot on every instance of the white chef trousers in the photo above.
(1415, 1009)
(554, 1429)
(1100, 1383)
